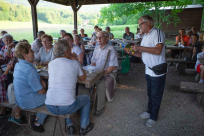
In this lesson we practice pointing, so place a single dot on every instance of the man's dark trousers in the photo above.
(155, 90)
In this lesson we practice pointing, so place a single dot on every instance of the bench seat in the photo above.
(192, 87)
(179, 61)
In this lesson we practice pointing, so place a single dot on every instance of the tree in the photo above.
(115, 11)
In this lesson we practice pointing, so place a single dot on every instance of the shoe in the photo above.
(149, 123)
(9, 119)
(20, 121)
(35, 128)
(170, 64)
(71, 130)
(32, 119)
(88, 128)
(98, 113)
(144, 115)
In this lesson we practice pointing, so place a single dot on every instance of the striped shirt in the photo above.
(154, 37)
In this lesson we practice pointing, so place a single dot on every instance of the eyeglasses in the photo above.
(142, 23)
(100, 37)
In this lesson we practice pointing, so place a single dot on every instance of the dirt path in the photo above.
(179, 114)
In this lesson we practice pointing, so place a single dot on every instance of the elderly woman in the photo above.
(78, 42)
(28, 86)
(111, 36)
(74, 48)
(62, 33)
(45, 54)
(74, 32)
(61, 97)
(82, 35)
(2, 34)
(8, 41)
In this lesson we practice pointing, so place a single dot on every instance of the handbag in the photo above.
(125, 64)
(159, 69)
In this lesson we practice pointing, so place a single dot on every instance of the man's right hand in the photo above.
(127, 50)
(9, 66)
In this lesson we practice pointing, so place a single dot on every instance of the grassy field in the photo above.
(23, 30)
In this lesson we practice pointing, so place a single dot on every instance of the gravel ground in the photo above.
(179, 114)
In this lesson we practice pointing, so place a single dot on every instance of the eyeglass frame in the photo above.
(142, 23)
(100, 37)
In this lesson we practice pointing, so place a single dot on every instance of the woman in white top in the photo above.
(45, 54)
(74, 48)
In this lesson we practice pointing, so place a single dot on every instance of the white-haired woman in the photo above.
(61, 96)
(8, 41)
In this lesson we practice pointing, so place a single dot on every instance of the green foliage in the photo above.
(116, 13)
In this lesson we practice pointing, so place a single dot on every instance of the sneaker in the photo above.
(20, 121)
(71, 130)
(88, 128)
(99, 112)
(144, 115)
(149, 123)
(35, 128)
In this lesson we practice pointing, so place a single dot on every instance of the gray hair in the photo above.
(60, 47)
(40, 33)
(147, 18)
(7, 35)
(61, 31)
(106, 34)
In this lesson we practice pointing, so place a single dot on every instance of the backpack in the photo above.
(11, 95)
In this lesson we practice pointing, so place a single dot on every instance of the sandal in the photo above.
(71, 130)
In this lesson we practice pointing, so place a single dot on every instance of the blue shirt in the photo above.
(26, 86)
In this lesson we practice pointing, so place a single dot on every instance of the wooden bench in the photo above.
(181, 65)
(43, 110)
(191, 71)
(192, 87)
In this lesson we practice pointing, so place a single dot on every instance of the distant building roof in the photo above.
(188, 6)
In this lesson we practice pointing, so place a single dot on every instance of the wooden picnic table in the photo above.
(91, 79)
(178, 47)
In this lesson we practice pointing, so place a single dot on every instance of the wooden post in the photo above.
(75, 20)
(33, 4)
(75, 8)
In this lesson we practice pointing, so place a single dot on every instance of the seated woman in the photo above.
(8, 41)
(78, 42)
(3, 81)
(198, 66)
(197, 45)
(62, 33)
(28, 86)
(61, 96)
(74, 48)
(82, 35)
(45, 54)
(111, 36)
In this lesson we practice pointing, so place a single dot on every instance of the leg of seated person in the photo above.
(201, 74)
(101, 94)
(41, 117)
(82, 90)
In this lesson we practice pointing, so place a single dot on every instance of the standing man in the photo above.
(37, 44)
(128, 35)
(152, 51)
